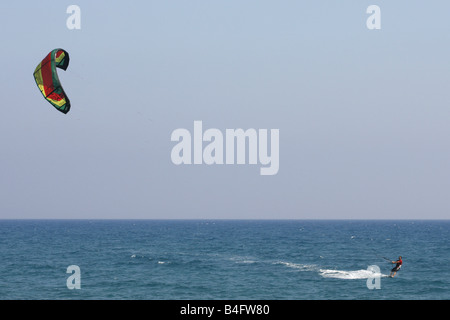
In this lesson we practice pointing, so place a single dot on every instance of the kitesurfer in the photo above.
(398, 265)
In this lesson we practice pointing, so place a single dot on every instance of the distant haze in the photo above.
(363, 115)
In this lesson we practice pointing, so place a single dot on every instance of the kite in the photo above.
(48, 82)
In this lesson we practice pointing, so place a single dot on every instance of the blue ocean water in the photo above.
(223, 259)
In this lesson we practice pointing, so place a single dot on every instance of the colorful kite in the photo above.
(48, 82)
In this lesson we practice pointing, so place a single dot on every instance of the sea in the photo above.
(224, 259)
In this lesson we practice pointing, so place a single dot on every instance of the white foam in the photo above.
(244, 260)
(332, 273)
(299, 266)
(356, 274)
(247, 261)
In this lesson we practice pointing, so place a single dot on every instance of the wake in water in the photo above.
(298, 266)
(356, 274)
(331, 273)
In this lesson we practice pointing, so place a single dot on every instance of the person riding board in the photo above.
(398, 265)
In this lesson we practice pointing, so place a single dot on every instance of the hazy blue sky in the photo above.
(364, 115)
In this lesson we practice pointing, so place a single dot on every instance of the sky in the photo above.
(363, 115)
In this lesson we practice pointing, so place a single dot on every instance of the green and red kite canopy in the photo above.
(48, 82)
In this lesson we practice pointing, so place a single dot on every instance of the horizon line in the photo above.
(236, 219)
